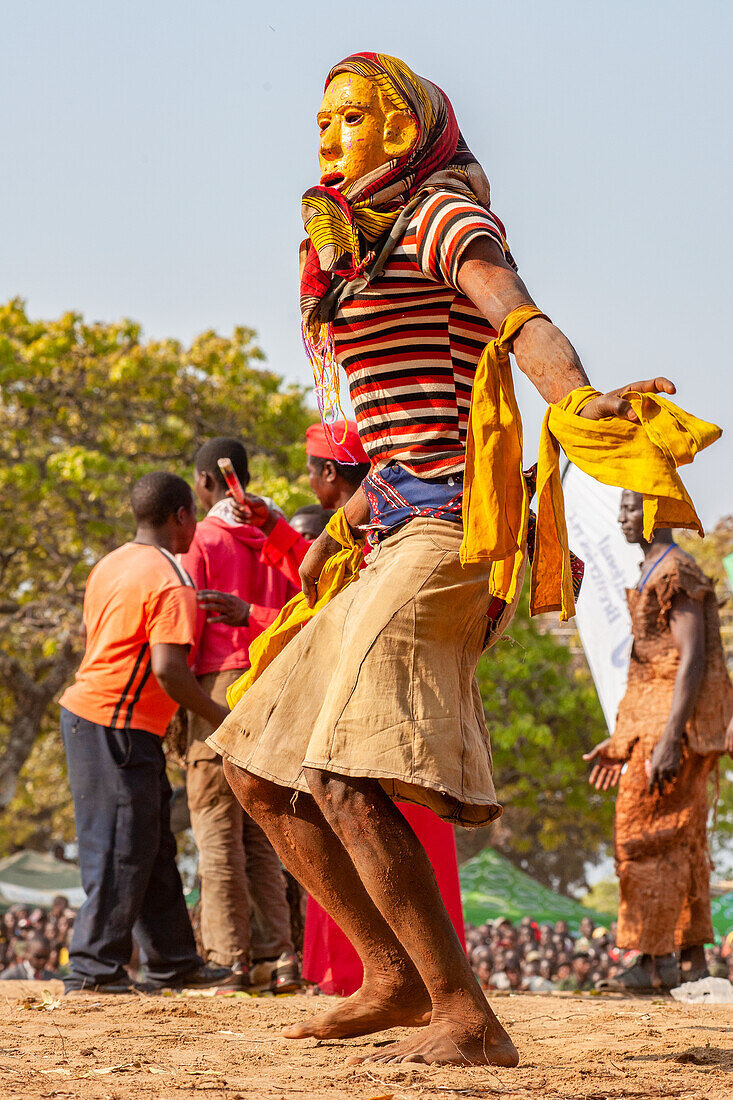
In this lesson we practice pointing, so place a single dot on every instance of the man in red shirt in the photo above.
(239, 594)
(140, 619)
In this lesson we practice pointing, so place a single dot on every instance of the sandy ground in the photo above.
(171, 1048)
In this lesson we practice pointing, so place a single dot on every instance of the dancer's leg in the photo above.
(398, 877)
(392, 994)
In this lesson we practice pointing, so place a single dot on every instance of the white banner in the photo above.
(611, 566)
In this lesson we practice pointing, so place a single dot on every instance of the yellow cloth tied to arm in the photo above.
(642, 456)
(341, 569)
(495, 495)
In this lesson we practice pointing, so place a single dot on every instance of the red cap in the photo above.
(332, 444)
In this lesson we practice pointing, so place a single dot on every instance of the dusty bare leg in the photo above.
(392, 994)
(399, 878)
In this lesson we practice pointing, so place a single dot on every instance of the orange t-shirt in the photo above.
(136, 597)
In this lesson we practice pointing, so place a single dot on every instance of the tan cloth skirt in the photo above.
(381, 683)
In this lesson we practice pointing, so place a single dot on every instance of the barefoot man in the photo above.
(406, 277)
(670, 731)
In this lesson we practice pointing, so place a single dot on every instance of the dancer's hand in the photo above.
(607, 769)
(664, 764)
(614, 404)
(312, 565)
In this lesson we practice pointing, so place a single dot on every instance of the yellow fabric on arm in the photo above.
(339, 571)
(642, 456)
(495, 502)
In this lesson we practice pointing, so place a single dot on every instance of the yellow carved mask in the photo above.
(360, 131)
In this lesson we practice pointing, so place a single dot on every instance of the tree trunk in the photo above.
(31, 698)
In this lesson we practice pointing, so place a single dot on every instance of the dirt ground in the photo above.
(171, 1048)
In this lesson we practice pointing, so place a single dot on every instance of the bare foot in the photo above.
(448, 1043)
(364, 1013)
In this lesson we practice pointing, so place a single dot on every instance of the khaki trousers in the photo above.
(244, 905)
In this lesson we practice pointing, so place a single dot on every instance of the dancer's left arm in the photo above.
(542, 351)
(687, 627)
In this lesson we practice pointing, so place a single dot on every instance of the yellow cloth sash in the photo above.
(339, 571)
(495, 498)
(641, 456)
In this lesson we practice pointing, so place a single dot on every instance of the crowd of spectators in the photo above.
(34, 942)
(540, 958)
(529, 957)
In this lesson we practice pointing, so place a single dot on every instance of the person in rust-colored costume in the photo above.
(670, 732)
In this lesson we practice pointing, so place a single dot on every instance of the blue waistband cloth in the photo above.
(396, 496)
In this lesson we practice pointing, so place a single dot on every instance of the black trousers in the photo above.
(127, 856)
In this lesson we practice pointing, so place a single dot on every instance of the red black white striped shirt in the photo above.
(410, 342)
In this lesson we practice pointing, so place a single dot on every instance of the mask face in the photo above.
(359, 131)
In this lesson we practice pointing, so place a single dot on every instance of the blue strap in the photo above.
(640, 587)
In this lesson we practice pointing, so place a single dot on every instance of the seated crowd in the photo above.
(527, 957)
(540, 958)
(34, 942)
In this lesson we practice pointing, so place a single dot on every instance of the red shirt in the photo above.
(285, 550)
(237, 558)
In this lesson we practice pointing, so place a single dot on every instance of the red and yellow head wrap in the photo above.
(347, 233)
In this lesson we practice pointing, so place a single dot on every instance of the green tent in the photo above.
(492, 887)
(722, 909)
(35, 878)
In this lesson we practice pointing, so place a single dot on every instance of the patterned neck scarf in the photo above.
(339, 227)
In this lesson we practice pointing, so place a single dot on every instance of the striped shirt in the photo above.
(136, 597)
(410, 342)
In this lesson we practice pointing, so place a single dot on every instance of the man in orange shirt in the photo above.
(140, 621)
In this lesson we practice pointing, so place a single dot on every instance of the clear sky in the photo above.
(154, 154)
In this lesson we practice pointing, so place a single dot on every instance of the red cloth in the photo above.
(329, 959)
(233, 558)
(285, 550)
(347, 450)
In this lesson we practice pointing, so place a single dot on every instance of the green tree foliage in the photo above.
(709, 553)
(543, 714)
(85, 409)
(603, 897)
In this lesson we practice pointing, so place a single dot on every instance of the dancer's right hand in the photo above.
(312, 564)
(606, 772)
